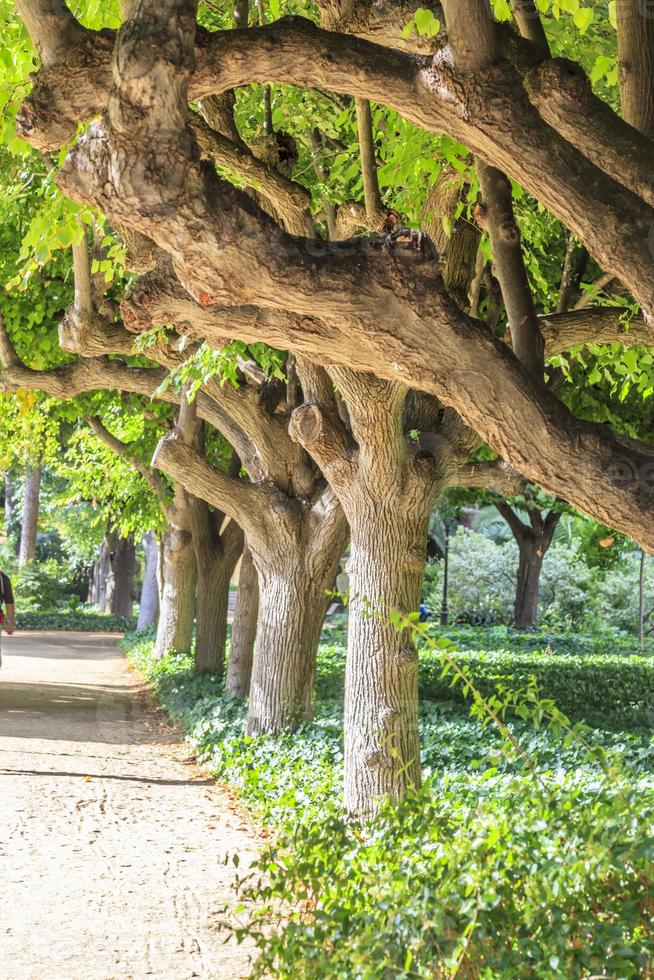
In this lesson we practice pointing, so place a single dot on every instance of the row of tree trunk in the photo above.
(177, 593)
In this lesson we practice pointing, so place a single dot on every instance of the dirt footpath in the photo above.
(111, 840)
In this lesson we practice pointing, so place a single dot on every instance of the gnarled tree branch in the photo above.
(123, 449)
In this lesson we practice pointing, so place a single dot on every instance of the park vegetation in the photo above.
(292, 283)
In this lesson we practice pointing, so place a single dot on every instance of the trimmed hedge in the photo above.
(494, 638)
(580, 685)
(75, 622)
(594, 686)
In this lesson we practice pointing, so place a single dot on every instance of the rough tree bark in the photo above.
(29, 528)
(387, 507)
(387, 485)
(244, 629)
(216, 554)
(636, 63)
(533, 541)
(591, 467)
(177, 579)
(103, 576)
(149, 604)
(124, 567)
(296, 542)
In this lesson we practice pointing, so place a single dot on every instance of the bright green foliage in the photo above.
(424, 22)
(120, 497)
(31, 306)
(207, 363)
(42, 585)
(16, 62)
(543, 873)
(30, 431)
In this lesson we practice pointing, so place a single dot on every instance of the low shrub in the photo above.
(42, 585)
(83, 622)
(589, 678)
(490, 878)
(582, 686)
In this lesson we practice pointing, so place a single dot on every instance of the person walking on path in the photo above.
(7, 608)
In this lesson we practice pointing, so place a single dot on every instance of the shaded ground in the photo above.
(111, 841)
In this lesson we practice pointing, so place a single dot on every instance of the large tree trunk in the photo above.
(291, 613)
(533, 540)
(177, 585)
(211, 617)
(124, 565)
(530, 567)
(244, 629)
(30, 517)
(149, 604)
(382, 749)
(294, 573)
(636, 62)
(216, 556)
(387, 488)
(103, 577)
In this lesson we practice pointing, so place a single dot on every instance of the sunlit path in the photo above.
(111, 841)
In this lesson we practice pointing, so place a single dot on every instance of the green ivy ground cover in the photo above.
(491, 870)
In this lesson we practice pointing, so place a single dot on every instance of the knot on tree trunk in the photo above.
(306, 425)
(63, 93)
(378, 759)
(406, 657)
(559, 80)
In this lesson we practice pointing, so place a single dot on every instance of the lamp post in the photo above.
(445, 612)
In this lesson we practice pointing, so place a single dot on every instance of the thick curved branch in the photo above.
(261, 440)
(485, 384)
(488, 476)
(246, 503)
(562, 93)
(593, 325)
(324, 437)
(177, 202)
(52, 27)
(611, 222)
(291, 201)
(70, 380)
(381, 21)
(488, 111)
